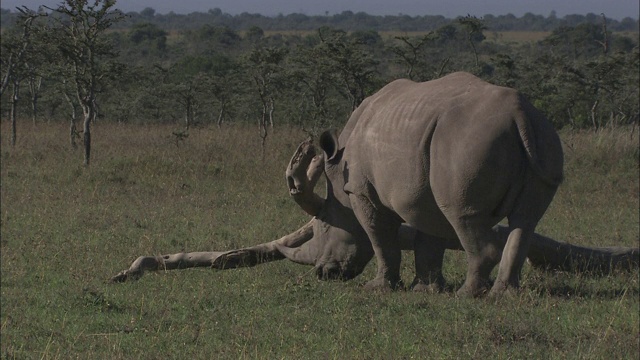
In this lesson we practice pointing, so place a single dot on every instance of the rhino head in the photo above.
(340, 248)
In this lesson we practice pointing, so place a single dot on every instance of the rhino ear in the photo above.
(329, 144)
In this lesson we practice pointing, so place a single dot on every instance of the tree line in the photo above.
(349, 21)
(78, 62)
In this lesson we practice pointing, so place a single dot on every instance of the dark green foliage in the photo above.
(217, 72)
(350, 21)
(581, 41)
(146, 31)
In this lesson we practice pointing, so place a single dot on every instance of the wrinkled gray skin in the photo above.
(450, 157)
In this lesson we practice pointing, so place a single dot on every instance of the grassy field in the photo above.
(67, 229)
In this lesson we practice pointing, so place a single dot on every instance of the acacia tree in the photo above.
(15, 47)
(80, 35)
(197, 80)
(187, 97)
(18, 61)
(473, 28)
(265, 68)
(34, 80)
(579, 84)
(223, 94)
(410, 52)
(353, 65)
(313, 73)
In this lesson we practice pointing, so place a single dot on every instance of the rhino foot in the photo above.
(502, 289)
(473, 289)
(382, 284)
(466, 292)
(430, 287)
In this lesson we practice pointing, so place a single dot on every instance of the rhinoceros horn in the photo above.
(303, 172)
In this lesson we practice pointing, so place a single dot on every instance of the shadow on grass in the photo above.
(552, 288)
(568, 292)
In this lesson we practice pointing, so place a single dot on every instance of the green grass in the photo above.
(67, 229)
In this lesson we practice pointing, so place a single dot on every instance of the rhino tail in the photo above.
(529, 138)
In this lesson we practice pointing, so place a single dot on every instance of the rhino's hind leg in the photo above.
(429, 255)
(513, 257)
(523, 219)
(483, 252)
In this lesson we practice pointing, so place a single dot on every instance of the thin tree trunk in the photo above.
(442, 66)
(573, 123)
(87, 140)
(221, 114)
(89, 114)
(73, 130)
(34, 88)
(272, 108)
(96, 109)
(7, 75)
(605, 41)
(263, 129)
(187, 118)
(14, 111)
(475, 52)
(593, 115)
(34, 107)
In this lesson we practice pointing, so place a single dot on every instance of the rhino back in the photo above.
(450, 143)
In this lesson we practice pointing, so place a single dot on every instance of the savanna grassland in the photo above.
(67, 229)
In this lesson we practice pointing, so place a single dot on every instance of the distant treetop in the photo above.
(349, 21)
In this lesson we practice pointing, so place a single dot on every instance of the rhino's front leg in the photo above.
(168, 262)
(230, 259)
(381, 227)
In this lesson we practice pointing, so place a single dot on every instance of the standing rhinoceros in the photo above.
(451, 157)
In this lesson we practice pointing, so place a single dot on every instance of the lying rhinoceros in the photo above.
(302, 247)
(448, 158)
